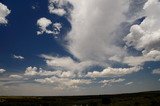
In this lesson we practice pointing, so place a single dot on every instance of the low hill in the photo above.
(134, 99)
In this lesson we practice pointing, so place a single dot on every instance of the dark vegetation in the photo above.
(134, 99)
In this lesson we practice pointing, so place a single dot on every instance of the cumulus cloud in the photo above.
(57, 7)
(110, 72)
(153, 55)
(2, 70)
(145, 37)
(58, 73)
(18, 57)
(156, 71)
(49, 73)
(57, 28)
(43, 24)
(67, 63)
(16, 76)
(111, 81)
(4, 12)
(93, 41)
(93, 24)
(34, 71)
(31, 71)
(64, 82)
(93, 37)
(98, 44)
(59, 11)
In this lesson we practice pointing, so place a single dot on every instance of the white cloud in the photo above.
(150, 2)
(68, 74)
(31, 71)
(18, 57)
(34, 71)
(156, 71)
(2, 70)
(16, 76)
(93, 39)
(98, 42)
(153, 55)
(129, 83)
(93, 23)
(56, 7)
(49, 73)
(58, 73)
(110, 72)
(67, 63)
(59, 11)
(111, 81)
(57, 28)
(145, 37)
(4, 11)
(64, 82)
(43, 23)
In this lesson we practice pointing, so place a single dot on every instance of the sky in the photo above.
(79, 47)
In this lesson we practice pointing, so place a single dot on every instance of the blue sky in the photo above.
(67, 47)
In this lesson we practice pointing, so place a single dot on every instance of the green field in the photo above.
(134, 99)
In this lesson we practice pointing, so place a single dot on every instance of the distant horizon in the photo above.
(80, 95)
(107, 94)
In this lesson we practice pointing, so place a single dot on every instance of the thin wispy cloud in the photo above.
(18, 57)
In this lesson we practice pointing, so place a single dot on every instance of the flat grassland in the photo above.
(134, 99)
